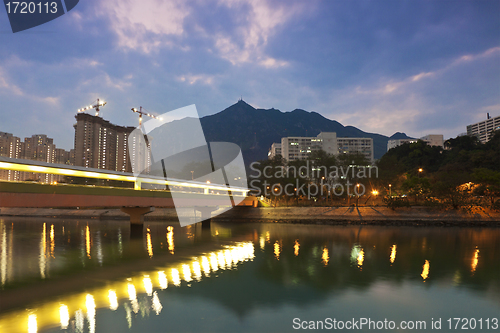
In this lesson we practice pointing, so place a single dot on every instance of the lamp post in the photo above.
(390, 190)
(357, 193)
(420, 170)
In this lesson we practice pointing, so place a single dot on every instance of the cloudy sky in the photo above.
(421, 67)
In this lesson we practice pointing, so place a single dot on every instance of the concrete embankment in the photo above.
(318, 215)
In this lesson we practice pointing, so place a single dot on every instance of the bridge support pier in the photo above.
(137, 213)
(206, 216)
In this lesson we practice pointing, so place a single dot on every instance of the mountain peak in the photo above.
(399, 135)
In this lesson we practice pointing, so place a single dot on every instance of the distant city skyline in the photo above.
(383, 67)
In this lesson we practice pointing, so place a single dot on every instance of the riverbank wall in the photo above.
(319, 215)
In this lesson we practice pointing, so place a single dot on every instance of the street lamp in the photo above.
(390, 190)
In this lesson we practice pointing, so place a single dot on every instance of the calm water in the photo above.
(91, 276)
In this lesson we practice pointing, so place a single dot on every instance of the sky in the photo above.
(419, 67)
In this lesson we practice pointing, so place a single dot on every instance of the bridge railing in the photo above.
(77, 171)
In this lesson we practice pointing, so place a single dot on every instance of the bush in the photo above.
(396, 202)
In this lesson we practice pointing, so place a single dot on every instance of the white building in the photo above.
(275, 150)
(299, 148)
(430, 139)
(483, 129)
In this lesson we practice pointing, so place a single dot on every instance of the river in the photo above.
(93, 276)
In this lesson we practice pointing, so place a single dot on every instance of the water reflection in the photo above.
(64, 316)
(332, 261)
(113, 300)
(475, 260)
(32, 324)
(393, 254)
(425, 270)
(325, 257)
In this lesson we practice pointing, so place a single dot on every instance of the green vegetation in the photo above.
(465, 175)
(321, 180)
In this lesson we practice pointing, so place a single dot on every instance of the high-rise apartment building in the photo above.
(38, 147)
(100, 144)
(10, 146)
(483, 130)
(299, 148)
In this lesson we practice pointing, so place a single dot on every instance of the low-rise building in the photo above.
(483, 130)
(430, 139)
(299, 148)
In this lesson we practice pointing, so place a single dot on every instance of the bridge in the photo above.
(143, 194)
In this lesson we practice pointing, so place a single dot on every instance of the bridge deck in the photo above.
(35, 195)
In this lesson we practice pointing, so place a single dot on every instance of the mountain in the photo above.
(399, 136)
(255, 130)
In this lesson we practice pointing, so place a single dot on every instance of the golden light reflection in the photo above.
(277, 250)
(324, 257)
(148, 242)
(131, 292)
(148, 285)
(132, 296)
(268, 236)
(90, 304)
(189, 232)
(170, 239)
(205, 264)
(296, 247)
(228, 256)
(425, 270)
(213, 262)
(162, 279)
(79, 310)
(262, 242)
(4, 253)
(475, 260)
(52, 242)
(176, 277)
(393, 253)
(32, 324)
(186, 271)
(87, 241)
(361, 257)
(197, 271)
(113, 300)
(64, 316)
(221, 260)
(43, 248)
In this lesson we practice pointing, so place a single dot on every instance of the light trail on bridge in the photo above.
(75, 171)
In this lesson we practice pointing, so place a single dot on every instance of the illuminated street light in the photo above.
(390, 190)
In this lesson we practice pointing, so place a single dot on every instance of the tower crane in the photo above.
(141, 112)
(95, 105)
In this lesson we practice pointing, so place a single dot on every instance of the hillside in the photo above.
(255, 130)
